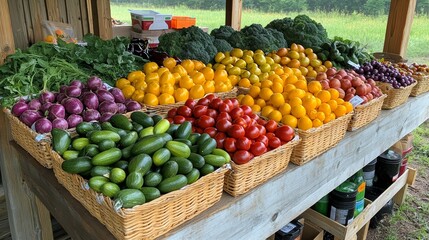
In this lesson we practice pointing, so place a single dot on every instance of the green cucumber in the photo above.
(161, 127)
(70, 154)
(140, 163)
(134, 180)
(89, 150)
(184, 130)
(207, 146)
(61, 140)
(215, 160)
(148, 145)
(169, 169)
(223, 153)
(77, 165)
(106, 144)
(126, 152)
(173, 183)
(128, 198)
(202, 138)
(161, 156)
(150, 193)
(146, 132)
(101, 171)
(122, 122)
(137, 127)
(167, 137)
(117, 175)
(107, 157)
(185, 141)
(129, 139)
(194, 148)
(178, 149)
(206, 169)
(79, 143)
(156, 118)
(193, 176)
(152, 179)
(110, 189)
(84, 127)
(196, 160)
(172, 129)
(96, 182)
(98, 136)
(142, 119)
(194, 138)
(110, 127)
(185, 166)
(122, 164)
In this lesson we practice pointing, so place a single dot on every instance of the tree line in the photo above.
(367, 7)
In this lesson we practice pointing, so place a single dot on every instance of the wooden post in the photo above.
(398, 29)
(53, 10)
(102, 19)
(233, 13)
(7, 44)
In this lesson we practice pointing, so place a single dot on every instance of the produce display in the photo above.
(174, 82)
(379, 71)
(413, 69)
(135, 161)
(74, 104)
(235, 128)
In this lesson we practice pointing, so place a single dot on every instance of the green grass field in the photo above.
(369, 31)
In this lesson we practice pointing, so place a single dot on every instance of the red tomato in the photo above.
(199, 110)
(211, 131)
(242, 157)
(191, 120)
(258, 148)
(271, 126)
(262, 130)
(261, 121)
(223, 115)
(236, 113)
(240, 121)
(198, 130)
(243, 143)
(247, 119)
(270, 135)
(210, 97)
(184, 111)
(274, 142)
(215, 103)
(285, 133)
(203, 101)
(263, 139)
(172, 112)
(252, 132)
(212, 113)
(170, 120)
(190, 103)
(220, 139)
(223, 125)
(235, 102)
(229, 103)
(178, 119)
(229, 145)
(254, 116)
(205, 121)
(223, 107)
(247, 110)
(236, 131)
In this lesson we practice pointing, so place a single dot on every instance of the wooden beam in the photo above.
(398, 29)
(102, 19)
(38, 13)
(233, 13)
(7, 44)
(53, 10)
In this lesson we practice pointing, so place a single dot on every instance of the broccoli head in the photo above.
(223, 32)
(222, 45)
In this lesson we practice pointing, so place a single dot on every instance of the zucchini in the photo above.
(129, 139)
(61, 140)
(172, 129)
(152, 179)
(110, 127)
(185, 166)
(107, 157)
(194, 138)
(70, 154)
(106, 144)
(101, 171)
(161, 156)
(178, 149)
(167, 137)
(223, 153)
(150, 193)
(185, 141)
(122, 122)
(117, 175)
(169, 169)
(98, 136)
(142, 119)
(146, 132)
(137, 127)
(128, 198)
(110, 189)
(122, 164)
(156, 118)
(140, 163)
(193, 176)
(79, 143)
(207, 146)
(77, 165)
(89, 150)
(148, 145)
(196, 160)
(202, 138)
(184, 130)
(172, 183)
(207, 169)
(161, 127)
(96, 182)
(134, 180)
(215, 160)
(126, 152)
(83, 128)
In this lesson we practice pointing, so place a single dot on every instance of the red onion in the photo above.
(90, 100)
(90, 115)
(60, 123)
(133, 106)
(43, 125)
(73, 106)
(56, 111)
(73, 91)
(94, 83)
(19, 108)
(34, 104)
(108, 106)
(73, 120)
(28, 117)
(121, 108)
(104, 95)
(45, 107)
(118, 95)
(63, 88)
(61, 96)
(47, 97)
(106, 116)
(77, 83)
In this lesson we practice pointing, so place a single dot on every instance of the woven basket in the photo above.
(395, 96)
(422, 85)
(151, 219)
(37, 145)
(242, 178)
(242, 90)
(163, 109)
(316, 141)
(366, 113)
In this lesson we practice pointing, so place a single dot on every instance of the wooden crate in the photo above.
(358, 229)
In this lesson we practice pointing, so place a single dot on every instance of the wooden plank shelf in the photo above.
(258, 213)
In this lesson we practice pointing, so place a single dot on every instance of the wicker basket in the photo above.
(364, 114)
(422, 85)
(149, 220)
(163, 109)
(242, 178)
(395, 97)
(316, 141)
(37, 145)
(242, 90)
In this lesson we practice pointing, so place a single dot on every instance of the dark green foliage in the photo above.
(222, 45)
(301, 30)
(223, 32)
